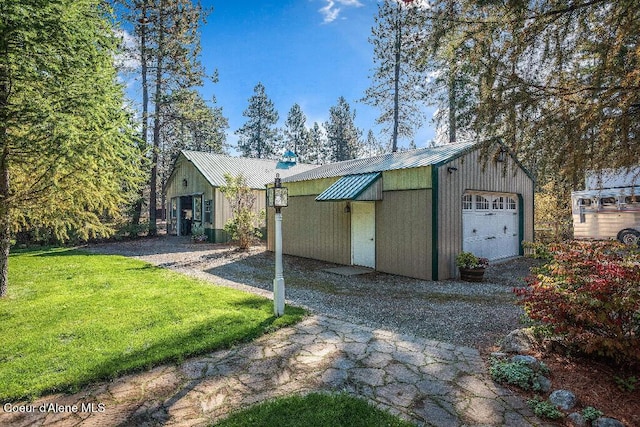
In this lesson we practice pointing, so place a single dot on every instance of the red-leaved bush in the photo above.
(589, 293)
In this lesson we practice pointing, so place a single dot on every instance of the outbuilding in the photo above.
(193, 189)
(410, 213)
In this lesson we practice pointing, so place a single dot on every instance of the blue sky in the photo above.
(308, 52)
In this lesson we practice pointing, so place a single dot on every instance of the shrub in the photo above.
(545, 409)
(517, 373)
(198, 234)
(589, 293)
(591, 414)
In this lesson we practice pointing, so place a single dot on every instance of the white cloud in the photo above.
(332, 8)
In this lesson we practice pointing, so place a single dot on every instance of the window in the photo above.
(467, 202)
(608, 202)
(632, 199)
(498, 203)
(511, 204)
(482, 203)
(197, 208)
(207, 211)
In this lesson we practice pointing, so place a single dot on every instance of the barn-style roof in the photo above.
(384, 162)
(258, 172)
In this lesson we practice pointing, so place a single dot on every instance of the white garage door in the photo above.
(490, 224)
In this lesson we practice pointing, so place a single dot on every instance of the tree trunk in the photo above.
(144, 21)
(452, 106)
(5, 219)
(157, 122)
(396, 82)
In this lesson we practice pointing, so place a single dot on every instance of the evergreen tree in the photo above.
(342, 134)
(296, 135)
(557, 81)
(318, 145)
(259, 137)
(169, 41)
(68, 158)
(372, 146)
(397, 84)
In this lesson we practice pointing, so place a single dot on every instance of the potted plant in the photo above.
(471, 267)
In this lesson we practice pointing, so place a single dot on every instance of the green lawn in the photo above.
(313, 410)
(72, 318)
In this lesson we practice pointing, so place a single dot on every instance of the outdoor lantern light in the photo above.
(277, 197)
(502, 155)
(185, 182)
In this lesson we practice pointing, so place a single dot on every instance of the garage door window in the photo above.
(482, 203)
(467, 202)
(511, 204)
(498, 203)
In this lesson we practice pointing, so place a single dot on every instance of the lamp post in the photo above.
(277, 197)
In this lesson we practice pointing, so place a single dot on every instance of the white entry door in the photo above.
(490, 225)
(363, 234)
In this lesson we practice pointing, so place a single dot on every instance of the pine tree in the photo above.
(372, 147)
(68, 160)
(296, 135)
(169, 41)
(318, 145)
(397, 83)
(259, 137)
(342, 134)
(557, 81)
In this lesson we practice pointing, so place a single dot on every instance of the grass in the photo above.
(72, 318)
(313, 410)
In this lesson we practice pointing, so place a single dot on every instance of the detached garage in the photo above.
(410, 213)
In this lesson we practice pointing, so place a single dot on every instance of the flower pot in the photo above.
(472, 274)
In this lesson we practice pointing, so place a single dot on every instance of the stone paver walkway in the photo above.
(429, 382)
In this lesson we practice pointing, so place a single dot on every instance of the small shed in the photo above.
(193, 189)
(410, 213)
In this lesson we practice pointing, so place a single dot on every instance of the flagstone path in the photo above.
(428, 382)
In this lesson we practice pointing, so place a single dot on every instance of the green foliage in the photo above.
(537, 250)
(198, 233)
(72, 318)
(397, 82)
(626, 384)
(469, 260)
(342, 134)
(517, 373)
(545, 409)
(591, 414)
(243, 227)
(589, 293)
(258, 137)
(552, 213)
(313, 410)
(67, 141)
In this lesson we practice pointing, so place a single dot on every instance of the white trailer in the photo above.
(607, 213)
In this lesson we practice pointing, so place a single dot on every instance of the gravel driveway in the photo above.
(471, 314)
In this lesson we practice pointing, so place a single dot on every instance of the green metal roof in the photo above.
(258, 172)
(391, 161)
(348, 187)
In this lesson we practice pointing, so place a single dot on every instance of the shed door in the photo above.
(363, 234)
(490, 225)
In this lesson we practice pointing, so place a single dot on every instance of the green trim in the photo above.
(520, 224)
(434, 222)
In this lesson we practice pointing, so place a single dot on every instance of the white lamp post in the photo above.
(277, 197)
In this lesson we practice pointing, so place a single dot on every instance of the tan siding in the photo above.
(407, 179)
(223, 211)
(474, 174)
(307, 188)
(318, 230)
(403, 233)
